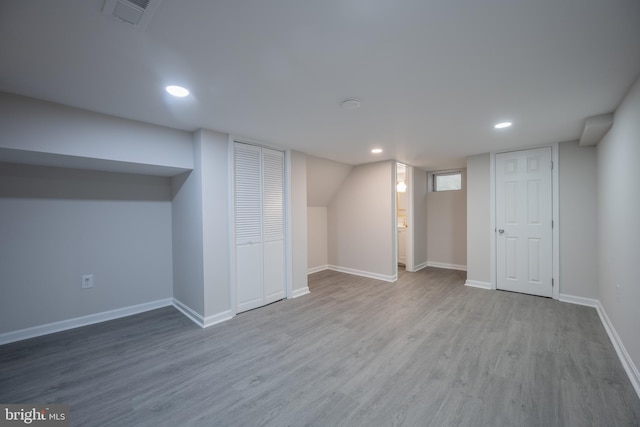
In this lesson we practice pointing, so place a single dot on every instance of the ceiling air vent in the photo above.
(134, 12)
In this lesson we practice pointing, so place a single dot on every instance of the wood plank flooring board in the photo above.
(423, 351)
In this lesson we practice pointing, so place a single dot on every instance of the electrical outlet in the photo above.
(618, 291)
(87, 281)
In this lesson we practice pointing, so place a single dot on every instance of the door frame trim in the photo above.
(555, 200)
(411, 223)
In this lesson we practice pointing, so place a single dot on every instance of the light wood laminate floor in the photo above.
(425, 351)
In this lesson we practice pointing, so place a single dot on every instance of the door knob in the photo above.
(501, 231)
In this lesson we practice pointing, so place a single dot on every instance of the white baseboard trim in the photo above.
(627, 363)
(299, 292)
(363, 273)
(420, 266)
(447, 266)
(478, 284)
(76, 322)
(589, 302)
(317, 269)
(203, 322)
(189, 312)
(218, 318)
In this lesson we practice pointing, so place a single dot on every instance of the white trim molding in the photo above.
(78, 322)
(317, 269)
(189, 312)
(589, 302)
(627, 363)
(625, 359)
(363, 273)
(447, 266)
(299, 292)
(217, 318)
(420, 266)
(198, 319)
(288, 225)
(555, 212)
(478, 284)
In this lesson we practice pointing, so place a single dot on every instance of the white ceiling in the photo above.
(433, 76)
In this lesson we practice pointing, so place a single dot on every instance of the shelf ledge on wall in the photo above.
(38, 158)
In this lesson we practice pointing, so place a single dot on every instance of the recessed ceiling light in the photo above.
(351, 104)
(178, 91)
(376, 150)
(502, 125)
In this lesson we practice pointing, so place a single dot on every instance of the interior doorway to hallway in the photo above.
(404, 216)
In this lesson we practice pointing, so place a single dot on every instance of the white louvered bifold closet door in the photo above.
(248, 226)
(259, 226)
(273, 224)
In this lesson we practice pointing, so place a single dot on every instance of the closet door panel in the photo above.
(273, 194)
(248, 227)
(274, 272)
(248, 194)
(249, 276)
(273, 231)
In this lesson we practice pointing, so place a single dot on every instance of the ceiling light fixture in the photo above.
(177, 91)
(502, 125)
(376, 150)
(351, 104)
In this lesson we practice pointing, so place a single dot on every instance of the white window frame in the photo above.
(433, 178)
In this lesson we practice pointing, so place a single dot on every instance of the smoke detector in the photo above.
(351, 104)
(137, 13)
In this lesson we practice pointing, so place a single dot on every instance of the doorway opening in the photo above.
(404, 216)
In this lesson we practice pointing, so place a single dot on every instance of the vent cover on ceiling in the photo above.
(134, 12)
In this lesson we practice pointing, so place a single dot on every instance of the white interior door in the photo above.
(259, 226)
(273, 217)
(248, 226)
(524, 221)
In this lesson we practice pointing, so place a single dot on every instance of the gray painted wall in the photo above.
(479, 219)
(200, 228)
(87, 138)
(324, 178)
(618, 226)
(298, 220)
(213, 161)
(71, 222)
(317, 237)
(447, 226)
(578, 220)
(188, 261)
(419, 188)
(186, 216)
(59, 224)
(577, 208)
(361, 221)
